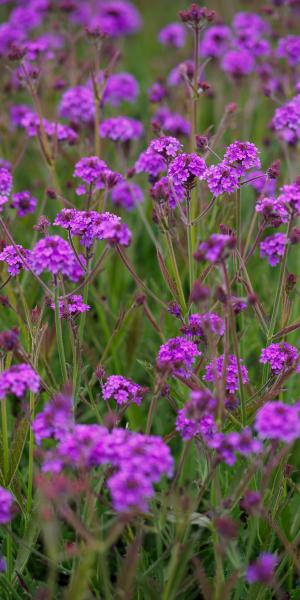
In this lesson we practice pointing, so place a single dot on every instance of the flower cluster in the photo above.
(278, 421)
(24, 203)
(195, 418)
(228, 445)
(6, 184)
(6, 506)
(203, 325)
(185, 168)
(71, 306)
(121, 129)
(122, 390)
(17, 380)
(216, 248)
(214, 372)
(127, 195)
(90, 226)
(139, 461)
(273, 247)
(279, 356)
(55, 420)
(14, 257)
(55, 255)
(177, 357)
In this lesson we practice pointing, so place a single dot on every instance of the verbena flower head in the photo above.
(55, 420)
(280, 356)
(151, 163)
(157, 92)
(177, 357)
(77, 105)
(222, 178)
(168, 190)
(203, 325)
(6, 506)
(173, 35)
(6, 184)
(71, 306)
(185, 168)
(213, 372)
(120, 87)
(17, 380)
(55, 255)
(216, 41)
(171, 123)
(238, 63)
(121, 129)
(263, 569)
(130, 490)
(14, 261)
(117, 18)
(127, 195)
(89, 169)
(167, 146)
(290, 196)
(90, 225)
(189, 427)
(122, 390)
(243, 21)
(274, 210)
(289, 48)
(286, 121)
(24, 203)
(216, 248)
(228, 445)
(278, 421)
(273, 247)
(244, 155)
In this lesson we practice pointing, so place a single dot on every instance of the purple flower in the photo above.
(216, 41)
(122, 390)
(274, 210)
(172, 123)
(157, 92)
(280, 356)
(188, 428)
(222, 178)
(90, 225)
(24, 203)
(29, 121)
(117, 18)
(77, 105)
(55, 255)
(167, 147)
(290, 196)
(185, 168)
(243, 21)
(71, 306)
(203, 325)
(286, 121)
(216, 248)
(273, 247)
(244, 155)
(17, 380)
(130, 490)
(213, 372)
(263, 569)
(55, 420)
(173, 35)
(120, 87)
(238, 63)
(6, 183)
(278, 421)
(6, 506)
(90, 169)
(289, 48)
(10, 256)
(121, 129)
(127, 194)
(177, 357)
(150, 162)
(261, 183)
(166, 190)
(176, 77)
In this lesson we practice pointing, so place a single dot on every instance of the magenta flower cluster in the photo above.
(122, 390)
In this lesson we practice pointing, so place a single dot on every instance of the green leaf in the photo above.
(17, 448)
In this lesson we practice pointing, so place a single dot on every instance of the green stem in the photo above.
(176, 273)
(59, 337)
(30, 457)
(190, 244)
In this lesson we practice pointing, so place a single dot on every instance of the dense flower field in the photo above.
(149, 304)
